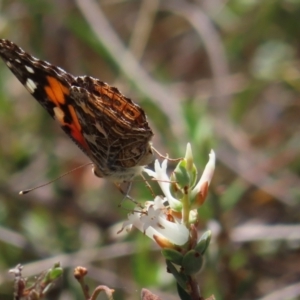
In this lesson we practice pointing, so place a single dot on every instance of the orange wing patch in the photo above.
(56, 91)
(76, 128)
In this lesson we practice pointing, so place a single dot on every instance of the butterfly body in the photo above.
(109, 128)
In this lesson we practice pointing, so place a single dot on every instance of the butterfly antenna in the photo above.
(59, 177)
(167, 156)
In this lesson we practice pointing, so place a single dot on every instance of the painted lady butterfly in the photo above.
(107, 126)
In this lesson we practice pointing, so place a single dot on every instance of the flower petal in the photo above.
(207, 173)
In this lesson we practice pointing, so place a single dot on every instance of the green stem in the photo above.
(186, 207)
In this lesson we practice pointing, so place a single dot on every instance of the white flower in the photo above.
(166, 219)
(155, 222)
(160, 175)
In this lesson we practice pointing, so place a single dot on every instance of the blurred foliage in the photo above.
(248, 111)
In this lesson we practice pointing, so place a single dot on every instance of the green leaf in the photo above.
(203, 242)
(179, 276)
(182, 175)
(182, 293)
(172, 255)
(192, 262)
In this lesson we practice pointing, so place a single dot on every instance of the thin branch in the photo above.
(143, 26)
(211, 41)
(163, 97)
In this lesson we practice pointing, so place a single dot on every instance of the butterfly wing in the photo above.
(49, 85)
(116, 128)
(110, 128)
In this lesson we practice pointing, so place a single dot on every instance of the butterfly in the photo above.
(108, 127)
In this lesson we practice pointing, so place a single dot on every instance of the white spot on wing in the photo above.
(8, 63)
(17, 60)
(29, 69)
(30, 85)
(59, 114)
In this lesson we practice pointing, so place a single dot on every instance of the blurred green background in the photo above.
(219, 74)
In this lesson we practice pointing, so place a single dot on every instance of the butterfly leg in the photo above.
(125, 188)
(148, 185)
